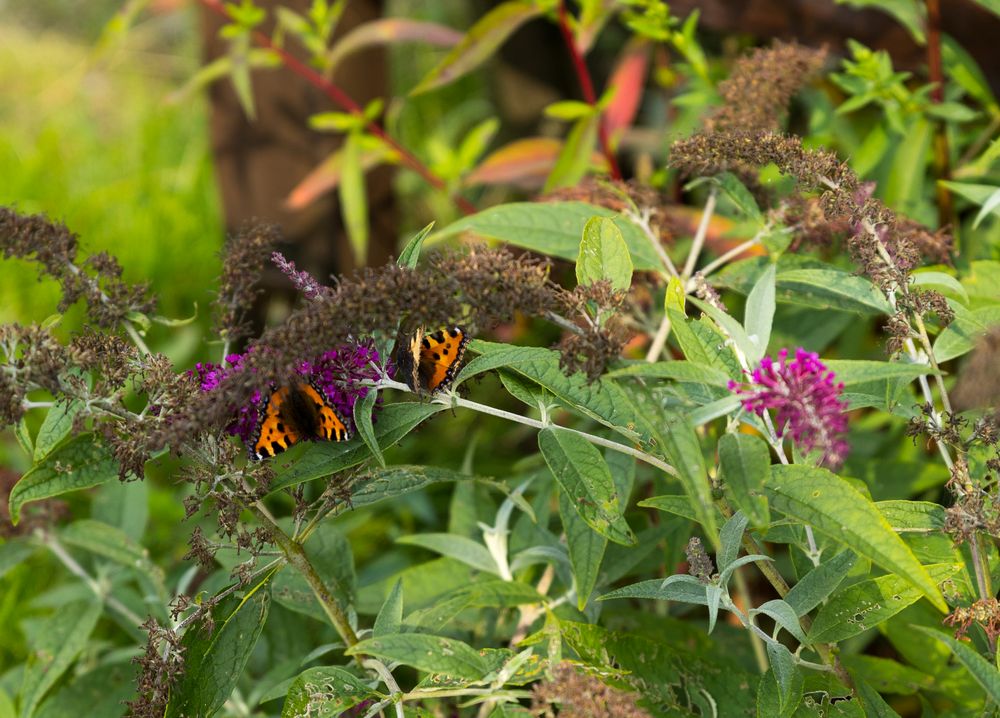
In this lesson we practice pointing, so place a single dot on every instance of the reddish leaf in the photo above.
(391, 30)
(326, 175)
(479, 43)
(524, 163)
(628, 79)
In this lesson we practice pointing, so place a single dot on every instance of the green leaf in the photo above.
(56, 426)
(982, 670)
(819, 583)
(330, 553)
(65, 635)
(569, 110)
(482, 40)
(990, 206)
(788, 677)
(962, 335)
(354, 197)
(603, 401)
(730, 540)
(678, 370)
(908, 13)
(730, 327)
(79, 464)
(324, 692)
(759, 313)
(363, 421)
(851, 372)
(746, 467)
(740, 195)
(833, 507)
(460, 548)
(411, 252)
(913, 516)
(585, 478)
(784, 615)
(603, 255)
(677, 505)
(586, 550)
(573, 159)
(12, 553)
(396, 481)
(874, 705)
(320, 459)
(831, 289)
(679, 587)
(101, 539)
(214, 662)
(940, 282)
(434, 654)
(552, 228)
(885, 674)
(390, 618)
(701, 343)
(23, 436)
(684, 451)
(866, 604)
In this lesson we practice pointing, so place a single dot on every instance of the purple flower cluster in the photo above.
(337, 372)
(805, 399)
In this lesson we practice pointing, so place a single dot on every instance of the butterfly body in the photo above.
(293, 413)
(428, 363)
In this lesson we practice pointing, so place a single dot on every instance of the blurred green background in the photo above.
(91, 137)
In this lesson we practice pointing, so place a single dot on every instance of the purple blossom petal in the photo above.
(807, 404)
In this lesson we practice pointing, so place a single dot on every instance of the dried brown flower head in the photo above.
(984, 612)
(699, 563)
(98, 280)
(30, 358)
(243, 260)
(757, 91)
(159, 668)
(574, 694)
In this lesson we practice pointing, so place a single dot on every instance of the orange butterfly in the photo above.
(429, 362)
(293, 413)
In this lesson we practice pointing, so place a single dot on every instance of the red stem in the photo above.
(346, 103)
(587, 85)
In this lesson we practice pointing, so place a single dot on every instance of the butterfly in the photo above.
(292, 413)
(429, 362)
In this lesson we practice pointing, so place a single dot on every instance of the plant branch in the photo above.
(296, 556)
(700, 234)
(347, 103)
(587, 86)
(52, 544)
(453, 400)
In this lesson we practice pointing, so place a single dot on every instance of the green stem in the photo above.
(296, 556)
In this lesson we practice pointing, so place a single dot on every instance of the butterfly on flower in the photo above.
(428, 363)
(293, 413)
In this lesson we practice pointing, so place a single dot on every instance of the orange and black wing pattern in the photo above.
(275, 433)
(329, 427)
(440, 358)
(293, 413)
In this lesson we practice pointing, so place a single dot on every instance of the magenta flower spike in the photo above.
(807, 404)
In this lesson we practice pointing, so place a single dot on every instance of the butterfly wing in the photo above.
(407, 359)
(275, 433)
(329, 425)
(440, 357)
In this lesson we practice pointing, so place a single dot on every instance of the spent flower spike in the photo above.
(806, 401)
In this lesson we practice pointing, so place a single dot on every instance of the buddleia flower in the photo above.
(805, 399)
